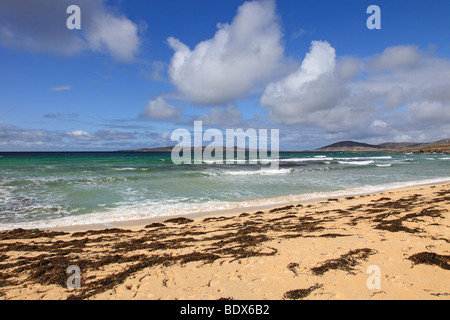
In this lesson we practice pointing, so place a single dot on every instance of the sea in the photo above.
(51, 190)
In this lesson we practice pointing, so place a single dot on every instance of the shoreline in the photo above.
(316, 250)
(132, 204)
(276, 202)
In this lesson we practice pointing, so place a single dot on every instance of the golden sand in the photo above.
(393, 245)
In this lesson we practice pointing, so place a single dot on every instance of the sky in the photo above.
(137, 70)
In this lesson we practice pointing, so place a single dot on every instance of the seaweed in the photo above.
(292, 267)
(217, 219)
(431, 258)
(333, 235)
(300, 293)
(396, 225)
(180, 220)
(281, 209)
(97, 232)
(406, 203)
(155, 225)
(29, 234)
(345, 262)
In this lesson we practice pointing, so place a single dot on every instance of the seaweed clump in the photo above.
(431, 258)
(346, 262)
(300, 293)
(180, 220)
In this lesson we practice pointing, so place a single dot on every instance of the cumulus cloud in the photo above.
(398, 94)
(315, 86)
(160, 109)
(115, 34)
(240, 57)
(219, 116)
(396, 57)
(429, 112)
(41, 26)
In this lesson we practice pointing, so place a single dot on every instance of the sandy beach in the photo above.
(391, 245)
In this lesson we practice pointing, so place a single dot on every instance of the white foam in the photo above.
(263, 172)
(444, 158)
(275, 171)
(366, 158)
(357, 163)
(305, 159)
(384, 165)
(179, 207)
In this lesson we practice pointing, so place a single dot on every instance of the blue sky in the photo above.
(137, 70)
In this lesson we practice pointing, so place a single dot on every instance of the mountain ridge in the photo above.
(440, 146)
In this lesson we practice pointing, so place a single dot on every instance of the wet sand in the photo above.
(391, 245)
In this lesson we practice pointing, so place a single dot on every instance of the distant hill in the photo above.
(441, 146)
(350, 146)
(399, 145)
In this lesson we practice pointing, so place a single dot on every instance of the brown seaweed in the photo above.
(345, 262)
(300, 293)
(431, 258)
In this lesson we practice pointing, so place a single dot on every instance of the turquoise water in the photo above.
(58, 189)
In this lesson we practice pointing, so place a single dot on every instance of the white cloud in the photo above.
(402, 92)
(315, 86)
(80, 135)
(160, 109)
(429, 112)
(14, 138)
(396, 57)
(240, 57)
(115, 34)
(219, 116)
(41, 26)
(99, 135)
